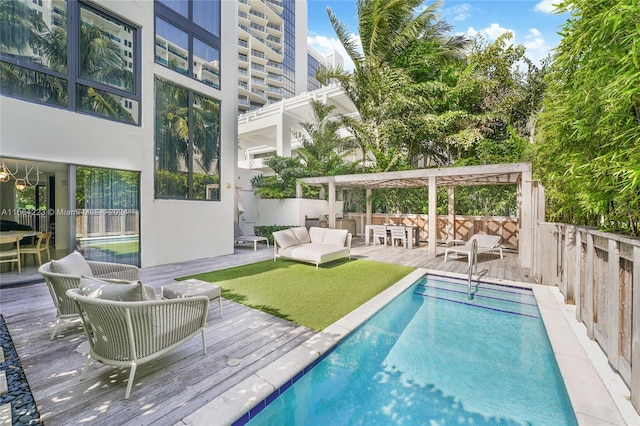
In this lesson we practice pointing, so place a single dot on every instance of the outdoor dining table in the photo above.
(413, 234)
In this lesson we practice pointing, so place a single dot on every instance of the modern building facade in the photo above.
(120, 118)
(316, 62)
(272, 47)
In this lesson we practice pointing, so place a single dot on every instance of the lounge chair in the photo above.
(239, 237)
(485, 244)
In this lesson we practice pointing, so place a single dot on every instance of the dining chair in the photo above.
(10, 251)
(41, 245)
(379, 233)
(398, 233)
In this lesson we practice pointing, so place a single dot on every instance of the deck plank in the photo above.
(185, 379)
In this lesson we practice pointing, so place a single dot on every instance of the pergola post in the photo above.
(369, 206)
(525, 239)
(433, 215)
(451, 215)
(332, 204)
(298, 190)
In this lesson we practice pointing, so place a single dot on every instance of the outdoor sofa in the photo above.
(126, 326)
(315, 245)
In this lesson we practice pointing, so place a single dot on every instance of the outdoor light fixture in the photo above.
(21, 182)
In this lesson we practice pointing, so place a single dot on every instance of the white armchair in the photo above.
(64, 274)
(128, 334)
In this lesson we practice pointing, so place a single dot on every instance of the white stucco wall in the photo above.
(292, 211)
(171, 230)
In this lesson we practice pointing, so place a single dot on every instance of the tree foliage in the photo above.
(588, 154)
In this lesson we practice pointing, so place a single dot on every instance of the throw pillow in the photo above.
(317, 234)
(285, 238)
(108, 290)
(72, 264)
(301, 234)
(335, 237)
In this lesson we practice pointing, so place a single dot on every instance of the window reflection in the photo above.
(106, 49)
(206, 145)
(26, 36)
(34, 48)
(187, 153)
(33, 86)
(190, 44)
(206, 63)
(207, 15)
(172, 47)
(180, 6)
(107, 105)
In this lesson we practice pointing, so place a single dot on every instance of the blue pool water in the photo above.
(434, 357)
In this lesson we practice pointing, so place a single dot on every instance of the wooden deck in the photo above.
(184, 380)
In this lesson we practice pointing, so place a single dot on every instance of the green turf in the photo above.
(118, 248)
(298, 292)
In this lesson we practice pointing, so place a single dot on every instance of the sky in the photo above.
(534, 23)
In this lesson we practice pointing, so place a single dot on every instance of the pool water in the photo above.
(434, 357)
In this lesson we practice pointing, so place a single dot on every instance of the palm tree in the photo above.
(389, 91)
(323, 150)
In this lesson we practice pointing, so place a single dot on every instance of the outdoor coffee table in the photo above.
(191, 288)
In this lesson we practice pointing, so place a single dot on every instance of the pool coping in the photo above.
(597, 394)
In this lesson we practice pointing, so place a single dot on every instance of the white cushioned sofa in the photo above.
(316, 245)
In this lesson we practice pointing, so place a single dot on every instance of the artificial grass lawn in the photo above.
(299, 293)
(118, 248)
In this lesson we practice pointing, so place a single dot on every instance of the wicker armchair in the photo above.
(59, 283)
(128, 334)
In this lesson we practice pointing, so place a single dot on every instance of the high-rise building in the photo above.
(316, 62)
(272, 51)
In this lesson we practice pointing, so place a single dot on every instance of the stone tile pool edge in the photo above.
(595, 394)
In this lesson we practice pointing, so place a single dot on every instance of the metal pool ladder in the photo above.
(473, 264)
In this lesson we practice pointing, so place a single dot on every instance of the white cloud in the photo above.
(458, 12)
(490, 33)
(325, 45)
(495, 30)
(546, 6)
(537, 47)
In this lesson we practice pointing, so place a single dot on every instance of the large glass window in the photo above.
(188, 38)
(172, 47)
(70, 55)
(187, 144)
(108, 214)
(106, 46)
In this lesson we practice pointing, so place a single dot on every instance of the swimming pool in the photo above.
(432, 356)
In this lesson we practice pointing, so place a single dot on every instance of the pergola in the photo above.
(530, 194)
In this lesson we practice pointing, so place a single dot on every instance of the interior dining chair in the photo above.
(10, 251)
(41, 245)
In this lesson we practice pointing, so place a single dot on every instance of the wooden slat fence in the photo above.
(600, 273)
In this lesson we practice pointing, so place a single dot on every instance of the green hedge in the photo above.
(267, 231)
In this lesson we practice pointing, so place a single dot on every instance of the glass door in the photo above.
(107, 214)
